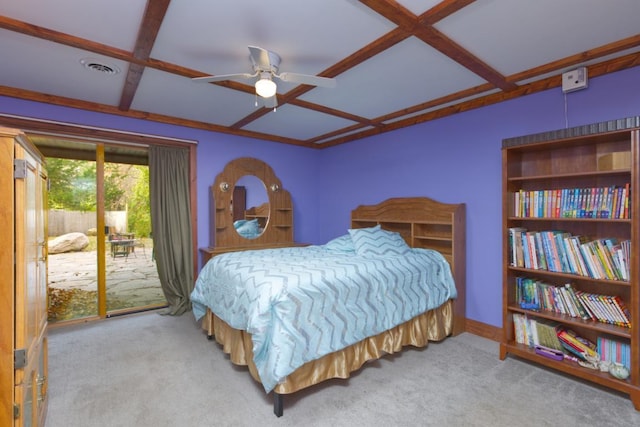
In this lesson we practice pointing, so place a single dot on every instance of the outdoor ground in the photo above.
(132, 281)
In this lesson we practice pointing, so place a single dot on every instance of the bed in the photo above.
(406, 286)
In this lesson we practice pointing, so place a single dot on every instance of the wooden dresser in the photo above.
(275, 217)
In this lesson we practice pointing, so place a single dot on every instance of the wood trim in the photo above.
(484, 330)
(101, 261)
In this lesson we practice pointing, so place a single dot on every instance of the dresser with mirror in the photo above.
(249, 209)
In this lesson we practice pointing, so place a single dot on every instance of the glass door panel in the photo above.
(72, 269)
(132, 281)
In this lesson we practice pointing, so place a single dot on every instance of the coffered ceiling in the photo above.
(395, 63)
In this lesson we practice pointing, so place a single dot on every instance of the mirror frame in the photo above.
(279, 227)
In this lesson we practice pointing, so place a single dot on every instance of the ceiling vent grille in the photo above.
(99, 66)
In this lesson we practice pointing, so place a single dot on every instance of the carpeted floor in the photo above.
(152, 370)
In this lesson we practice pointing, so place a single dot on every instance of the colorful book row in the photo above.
(534, 332)
(593, 202)
(533, 294)
(531, 332)
(576, 345)
(562, 252)
(614, 351)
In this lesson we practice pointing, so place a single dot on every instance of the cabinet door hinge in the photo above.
(19, 168)
(19, 358)
(16, 411)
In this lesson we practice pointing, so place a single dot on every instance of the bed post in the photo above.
(278, 401)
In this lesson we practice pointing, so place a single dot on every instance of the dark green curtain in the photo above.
(171, 224)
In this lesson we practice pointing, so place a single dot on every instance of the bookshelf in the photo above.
(564, 192)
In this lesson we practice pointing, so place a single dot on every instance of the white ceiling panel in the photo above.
(212, 37)
(171, 95)
(44, 67)
(384, 61)
(406, 74)
(418, 7)
(114, 22)
(297, 123)
(512, 36)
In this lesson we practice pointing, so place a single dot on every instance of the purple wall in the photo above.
(454, 159)
(458, 159)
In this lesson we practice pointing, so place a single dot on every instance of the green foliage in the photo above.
(114, 192)
(139, 216)
(126, 187)
(72, 184)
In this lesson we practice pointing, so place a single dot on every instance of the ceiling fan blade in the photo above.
(263, 59)
(271, 102)
(307, 79)
(222, 77)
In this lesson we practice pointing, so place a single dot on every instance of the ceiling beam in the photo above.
(149, 27)
(422, 29)
(442, 10)
(408, 25)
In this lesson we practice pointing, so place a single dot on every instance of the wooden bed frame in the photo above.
(424, 223)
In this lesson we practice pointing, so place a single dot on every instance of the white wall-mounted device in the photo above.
(575, 80)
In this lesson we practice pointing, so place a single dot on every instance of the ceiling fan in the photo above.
(265, 65)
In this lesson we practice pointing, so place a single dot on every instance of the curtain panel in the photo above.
(171, 224)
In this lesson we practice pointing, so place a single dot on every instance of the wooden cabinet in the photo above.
(555, 182)
(23, 293)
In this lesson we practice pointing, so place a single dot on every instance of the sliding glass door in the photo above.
(101, 259)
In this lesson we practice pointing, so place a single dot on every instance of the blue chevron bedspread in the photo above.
(302, 303)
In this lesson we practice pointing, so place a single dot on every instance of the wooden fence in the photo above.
(63, 222)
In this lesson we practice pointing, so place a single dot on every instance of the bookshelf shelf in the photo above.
(604, 220)
(572, 368)
(588, 324)
(569, 175)
(535, 168)
(567, 276)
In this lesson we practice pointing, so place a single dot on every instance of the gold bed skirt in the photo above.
(433, 325)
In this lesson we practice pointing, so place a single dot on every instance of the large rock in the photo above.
(71, 242)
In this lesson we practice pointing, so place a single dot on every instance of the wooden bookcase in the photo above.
(601, 155)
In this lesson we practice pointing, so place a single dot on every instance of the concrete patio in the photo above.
(132, 280)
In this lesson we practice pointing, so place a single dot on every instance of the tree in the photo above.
(139, 216)
(72, 184)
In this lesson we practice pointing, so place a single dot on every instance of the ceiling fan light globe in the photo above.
(266, 88)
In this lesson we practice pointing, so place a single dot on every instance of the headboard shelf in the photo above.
(428, 224)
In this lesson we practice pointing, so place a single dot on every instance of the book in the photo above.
(614, 351)
(576, 344)
(515, 243)
(548, 334)
(582, 312)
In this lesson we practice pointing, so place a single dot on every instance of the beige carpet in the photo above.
(151, 370)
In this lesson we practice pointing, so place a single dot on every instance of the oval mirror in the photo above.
(250, 207)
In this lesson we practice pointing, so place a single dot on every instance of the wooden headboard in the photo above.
(425, 223)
